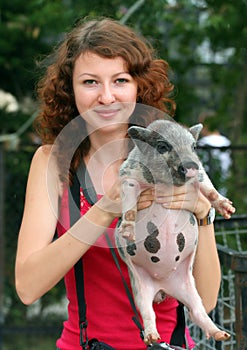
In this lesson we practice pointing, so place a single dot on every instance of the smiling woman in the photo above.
(100, 76)
(103, 88)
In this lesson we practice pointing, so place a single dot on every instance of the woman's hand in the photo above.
(145, 199)
(187, 197)
(111, 202)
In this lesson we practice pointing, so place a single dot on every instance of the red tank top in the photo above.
(109, 313)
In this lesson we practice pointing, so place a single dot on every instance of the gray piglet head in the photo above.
(168, 150)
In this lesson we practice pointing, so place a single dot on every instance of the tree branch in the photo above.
(131, 10)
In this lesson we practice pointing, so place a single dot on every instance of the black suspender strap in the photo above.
(178, 335)
(86, 184)
(74, 210)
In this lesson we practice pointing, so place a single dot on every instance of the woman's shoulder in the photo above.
(44, 156)
(44, 163)
(43, 152)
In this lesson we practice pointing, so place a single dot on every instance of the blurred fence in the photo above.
(231, 311)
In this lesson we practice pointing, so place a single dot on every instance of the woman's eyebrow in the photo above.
(96, 76)
(90, 74)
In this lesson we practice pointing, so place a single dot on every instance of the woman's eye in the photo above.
(89, 82)
(121, 80)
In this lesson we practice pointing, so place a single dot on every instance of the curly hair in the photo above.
(108, 39)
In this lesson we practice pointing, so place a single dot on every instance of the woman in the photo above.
(99, 73)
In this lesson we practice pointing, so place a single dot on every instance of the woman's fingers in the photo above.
(145, 199)
(146, 195)
(111, 201)
(187, 197)
(168, 194)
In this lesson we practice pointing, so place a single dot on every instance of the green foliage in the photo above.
(28, 30)
(31, 341)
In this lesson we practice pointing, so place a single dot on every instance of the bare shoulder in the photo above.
(44, 166)
(43, 153)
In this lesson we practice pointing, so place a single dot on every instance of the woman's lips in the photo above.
(107, 113)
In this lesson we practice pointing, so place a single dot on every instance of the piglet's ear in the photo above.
(140, 136)
(195, 130)
(139, 133)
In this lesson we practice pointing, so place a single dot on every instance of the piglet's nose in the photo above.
(188, 169)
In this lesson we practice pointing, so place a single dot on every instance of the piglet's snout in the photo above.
(188, 169)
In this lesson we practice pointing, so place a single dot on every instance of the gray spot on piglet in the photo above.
(155, 259)
(180, 241)
(131, 248)
(192, 219)
(147, 174)
(151, 243)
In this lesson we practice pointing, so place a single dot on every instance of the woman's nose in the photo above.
(106, 95)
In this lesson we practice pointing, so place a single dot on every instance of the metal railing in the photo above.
(231, 311)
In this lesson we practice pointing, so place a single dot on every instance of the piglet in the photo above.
(157, 244)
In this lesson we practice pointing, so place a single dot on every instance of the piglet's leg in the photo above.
(222, 204)
(186, 293)
(130, 193)
(144, 291)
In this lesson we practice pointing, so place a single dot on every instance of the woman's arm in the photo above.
(40, 261)
(207, 271)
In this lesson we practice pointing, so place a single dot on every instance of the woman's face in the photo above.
(105, 93)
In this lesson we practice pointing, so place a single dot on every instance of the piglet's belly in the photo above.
(164, 239)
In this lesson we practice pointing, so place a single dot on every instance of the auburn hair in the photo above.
(109, 39)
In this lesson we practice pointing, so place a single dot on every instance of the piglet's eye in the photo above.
(193, 147)
(163, 146)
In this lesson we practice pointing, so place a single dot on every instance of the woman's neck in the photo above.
(108, 148)
(104, 159)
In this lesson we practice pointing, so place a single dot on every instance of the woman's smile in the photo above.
(107, 113)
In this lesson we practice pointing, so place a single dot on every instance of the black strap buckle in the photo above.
(83, 335)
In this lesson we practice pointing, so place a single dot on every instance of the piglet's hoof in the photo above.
(127, 232)
(228, 210)
(151, 338)
(221, 336)
(224, 207)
